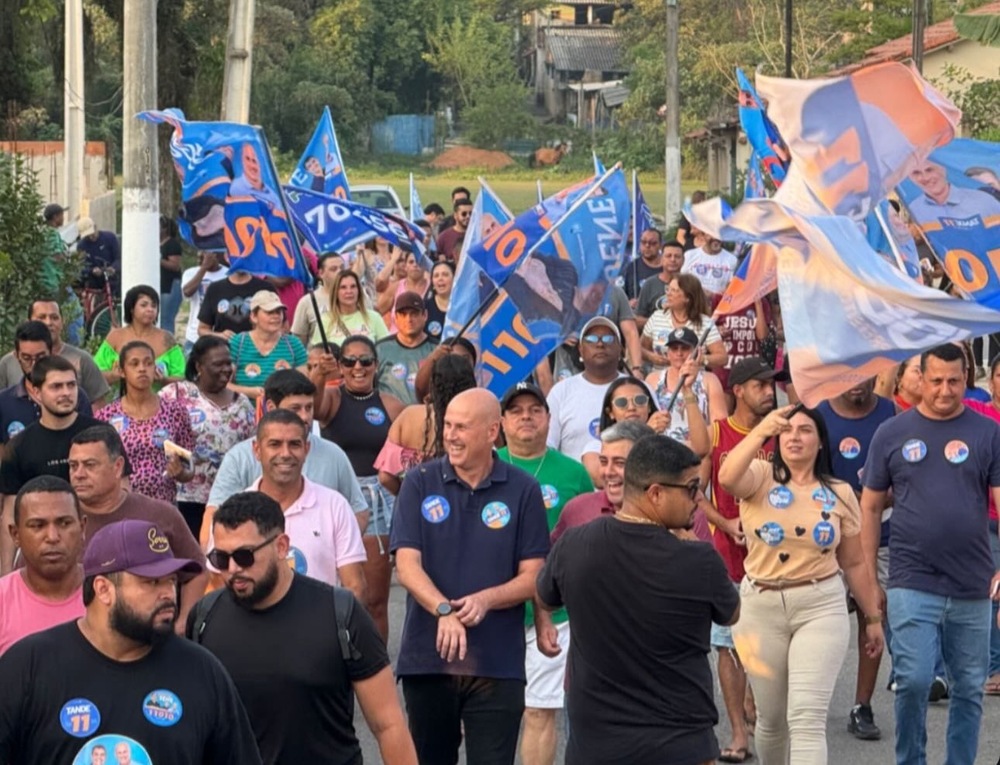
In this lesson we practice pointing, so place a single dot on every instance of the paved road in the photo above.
(844, 748)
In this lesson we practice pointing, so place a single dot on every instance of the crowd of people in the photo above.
(204, 524)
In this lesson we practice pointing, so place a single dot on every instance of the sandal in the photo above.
(735, 755)
(992, 687)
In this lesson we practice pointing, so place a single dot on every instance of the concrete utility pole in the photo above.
(140, 196)
(239, 62)
(672, 157)
(73, 116)
(919, 23)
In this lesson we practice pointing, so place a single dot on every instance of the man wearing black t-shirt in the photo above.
(273, 630)
(225, 309)
(646, 699)
(119, 679)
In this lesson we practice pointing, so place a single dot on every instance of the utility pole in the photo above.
(140, 195)
(919, 22)
(788, 38)
(672, 156)
(239, 62)
(73, 112)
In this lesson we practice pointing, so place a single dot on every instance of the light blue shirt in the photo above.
(961, 203)
(326, 464)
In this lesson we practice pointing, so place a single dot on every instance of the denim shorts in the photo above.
(380, 503)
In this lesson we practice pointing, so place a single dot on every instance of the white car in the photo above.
(380, 196)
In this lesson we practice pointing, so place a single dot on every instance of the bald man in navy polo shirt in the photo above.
(470, 536)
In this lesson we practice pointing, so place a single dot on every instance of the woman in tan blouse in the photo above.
(802, 529)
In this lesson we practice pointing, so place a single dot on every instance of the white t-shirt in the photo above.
(713, 271)
(191, 333)
(575, 409)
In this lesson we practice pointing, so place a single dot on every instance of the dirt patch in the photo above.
(461, 157)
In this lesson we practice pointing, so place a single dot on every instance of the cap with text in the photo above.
(526, 389)
(754, 368)
(138, 547)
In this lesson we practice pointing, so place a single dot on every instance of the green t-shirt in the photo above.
(561, 479)
(253, 368)
(171, 363)
(49, 271)
(353, 324)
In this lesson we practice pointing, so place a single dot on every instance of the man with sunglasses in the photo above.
(641, 690)
(449, 241)
(299, 697)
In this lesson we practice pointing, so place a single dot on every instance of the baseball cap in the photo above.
(138, 547)
(523, 388)
(603, 320)
(754, 368)
(53, 210)
(683, 336)
(86, 226)
(409, 301)
(265, 300)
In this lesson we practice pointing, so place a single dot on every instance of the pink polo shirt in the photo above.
(24, 613)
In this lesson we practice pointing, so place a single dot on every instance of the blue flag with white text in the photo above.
(321, 167)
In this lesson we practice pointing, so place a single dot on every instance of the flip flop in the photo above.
(992, 687)
(736, 755)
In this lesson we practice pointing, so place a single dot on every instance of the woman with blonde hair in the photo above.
(349, 313)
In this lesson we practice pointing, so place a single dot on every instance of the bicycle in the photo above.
(100, 311)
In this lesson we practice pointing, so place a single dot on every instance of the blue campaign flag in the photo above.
(643, 215)
(754, 188)
(330, 224)
(416, 208)
(599, 168)
(761, 132)
(230, 196)
(321, 167)
(954, 196)
(888, 234)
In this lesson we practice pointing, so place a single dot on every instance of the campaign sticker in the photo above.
(252, 370)
(80, 717)
(850, 448)
(119, 422)
(620, 282)
(197, 416)
(595, 427)
(113, 748)
(771, 534)
(399, 371)
(374, 415)
(296, 560)
(14, 428)
(780, 497)
(914, 450)
(435, 508)
(282, 364)
(159, 436)
(825, 498)
(564, 374)
(550, 495)
(824, 534)
(223, 306)
(161, 367)
(496, 515)
(434, 328)
(162, 708)
(411, 380)
(956, 452)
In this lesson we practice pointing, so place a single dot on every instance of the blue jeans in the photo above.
(170, 304)
(923, 624)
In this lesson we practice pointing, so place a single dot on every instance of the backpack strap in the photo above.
(343, 603)
(202, 610)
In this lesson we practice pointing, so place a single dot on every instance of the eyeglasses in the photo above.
(244, 556)
(606, 339)
(693, 488)
(353, 361)
(639, 400)
(32, 359)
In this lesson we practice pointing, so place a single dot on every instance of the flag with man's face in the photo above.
(321, 167)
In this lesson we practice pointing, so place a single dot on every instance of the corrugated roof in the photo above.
(935, 36)
(573, 49)
(614, 96)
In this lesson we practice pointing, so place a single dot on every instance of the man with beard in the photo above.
(270, 627)
(120, 671)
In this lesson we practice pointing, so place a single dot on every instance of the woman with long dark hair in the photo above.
(803, 528)
(684, 305)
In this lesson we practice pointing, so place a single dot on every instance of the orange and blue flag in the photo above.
(761, 132)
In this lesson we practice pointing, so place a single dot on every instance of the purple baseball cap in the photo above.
(138, 547)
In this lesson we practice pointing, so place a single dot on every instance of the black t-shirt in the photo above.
(168, 249)
(635, 273)
(644, 699)
(288, 668)
(435, 318)
(227, 305)
(61, 699)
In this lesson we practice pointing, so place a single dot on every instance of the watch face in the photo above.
(444, 609)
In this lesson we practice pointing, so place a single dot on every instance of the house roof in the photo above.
(936, 36)
(574, 49)
(614, 96)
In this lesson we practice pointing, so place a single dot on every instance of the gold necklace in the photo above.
(636, 519)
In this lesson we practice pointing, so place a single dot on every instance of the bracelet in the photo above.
(690, 398)
(873, 618)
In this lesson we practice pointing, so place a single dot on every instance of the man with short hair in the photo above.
(102, 254)
(942, 461)
(449, 241)
(942, 199)
(299, 699)
(304, 322)
(713, 266)
(641, 602)
(654, 290)
(525, 419)
(470, 537)
(195, 282)
(399, 355)
(118, 675)
(96, 469)
(48, 530)
(225, 308)
(55, 248)
(638, 270)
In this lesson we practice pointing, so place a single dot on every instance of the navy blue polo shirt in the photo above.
(18, 411)
(469, 540)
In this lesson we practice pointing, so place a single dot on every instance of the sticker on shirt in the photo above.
(159, 436)
(162, 708)
(281, 364)
(914, 450)
(780, 497)
(80, 718)
(411, 380)
(112, 748)
(564, 374)
(771, 534)
(252, 370)
(197, 416)
(223, 306)
(435, 508)
(825, 498)
(119, 422)
(496, 515)
(14, 428)
(296, 560)
(850, 448)
(161, 367)
(595, 428)
(375, 416)
(620, 282)
(824, 534)
(956, 452)
(399, 371)
(550, 495)
(434, 328)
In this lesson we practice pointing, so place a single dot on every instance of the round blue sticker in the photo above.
(162, 708)
(161, 367)
(914, 450)
(119, 422)
(824, 533)
(374, 415)
(771, 534)
(297, 561)
(434, 328)
(435, 508)
(159, 436)
(112, 748)
(956, 452)
(197, 416)
(496, 515)
(399, 371)
(595, 428)
(14, 428)
(550, 495)
(825, 497)
(80, 718)
(780, 497)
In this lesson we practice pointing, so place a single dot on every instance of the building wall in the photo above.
(981, 61)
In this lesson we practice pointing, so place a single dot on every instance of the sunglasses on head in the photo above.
(353, 361)
(606, 339)
(640, 400)
(244, 556)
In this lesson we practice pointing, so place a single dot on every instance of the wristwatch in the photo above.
(444, 609)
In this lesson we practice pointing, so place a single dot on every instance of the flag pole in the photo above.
(891, 239)
(680, 383)
(635, 234)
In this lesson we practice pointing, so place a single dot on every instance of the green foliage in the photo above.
(979, 100)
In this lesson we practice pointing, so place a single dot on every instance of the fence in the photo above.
(411, 134)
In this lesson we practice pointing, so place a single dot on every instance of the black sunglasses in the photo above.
(244, 556)
(640, 400)
(693, 488)
(353, 361)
